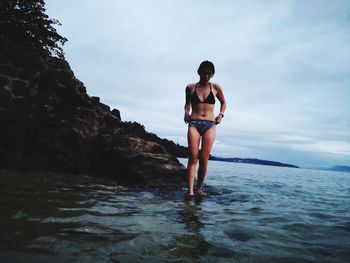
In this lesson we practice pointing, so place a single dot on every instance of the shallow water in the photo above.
(253, 214)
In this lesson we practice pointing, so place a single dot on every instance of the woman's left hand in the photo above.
(218, 119)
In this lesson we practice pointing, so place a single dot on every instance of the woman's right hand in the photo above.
(186, 117)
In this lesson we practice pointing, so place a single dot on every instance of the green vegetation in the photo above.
(26, 22)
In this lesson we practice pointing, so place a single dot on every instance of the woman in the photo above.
(201, 121)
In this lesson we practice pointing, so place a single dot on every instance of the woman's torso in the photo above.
(203, 102)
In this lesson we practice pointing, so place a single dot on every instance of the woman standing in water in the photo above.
(201, 121)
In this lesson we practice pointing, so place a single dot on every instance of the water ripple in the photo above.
(253, 214)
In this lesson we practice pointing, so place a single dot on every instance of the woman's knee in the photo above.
(193, 159)
(203, 160)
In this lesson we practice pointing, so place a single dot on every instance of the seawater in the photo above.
(254, 213)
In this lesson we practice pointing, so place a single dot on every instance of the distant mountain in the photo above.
(253, 161)
(339, 168)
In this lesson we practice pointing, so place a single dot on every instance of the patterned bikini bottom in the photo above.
(202, 126)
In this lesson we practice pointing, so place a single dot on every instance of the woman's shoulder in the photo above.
(190, 86)
(216, 86)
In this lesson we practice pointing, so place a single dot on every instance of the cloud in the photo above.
(283, 65)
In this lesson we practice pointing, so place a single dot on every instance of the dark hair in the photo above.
(206, 65)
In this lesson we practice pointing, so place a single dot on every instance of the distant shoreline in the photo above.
(252, 161)
(336, 168)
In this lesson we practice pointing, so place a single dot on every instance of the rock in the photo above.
(27, 73)
(104, 106)
(49, 123)
(3, 81)
(20, 88)
(5, 94)
(81, 89)
(22, 104)
(116, 113)
(8, 70)
(111, 122)
(95, 100)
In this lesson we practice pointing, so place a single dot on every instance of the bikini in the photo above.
(202, 125)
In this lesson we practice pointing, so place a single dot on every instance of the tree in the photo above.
(26, 21)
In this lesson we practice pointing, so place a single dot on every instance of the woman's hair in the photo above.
(206, 65)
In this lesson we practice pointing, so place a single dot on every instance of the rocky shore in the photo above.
(50, 123)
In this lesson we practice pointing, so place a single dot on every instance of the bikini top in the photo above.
(210, 99)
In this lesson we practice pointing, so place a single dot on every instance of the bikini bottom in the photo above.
(202, 126)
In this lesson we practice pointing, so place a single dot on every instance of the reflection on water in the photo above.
(193, 243)
(254, 214)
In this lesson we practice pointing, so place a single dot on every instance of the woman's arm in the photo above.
(221, 98)
(187, 107)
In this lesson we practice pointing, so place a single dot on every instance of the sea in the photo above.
(253, 213)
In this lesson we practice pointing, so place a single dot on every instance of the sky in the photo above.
(284, 67)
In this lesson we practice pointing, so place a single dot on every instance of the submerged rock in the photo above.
(49, 123)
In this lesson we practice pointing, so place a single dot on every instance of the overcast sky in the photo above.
(284, 67)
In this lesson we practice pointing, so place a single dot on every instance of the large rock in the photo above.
(49, 123)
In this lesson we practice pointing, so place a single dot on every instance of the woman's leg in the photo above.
(193, 139)
(208, 139)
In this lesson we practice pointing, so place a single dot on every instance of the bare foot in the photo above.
(189, 197)
(201, 193)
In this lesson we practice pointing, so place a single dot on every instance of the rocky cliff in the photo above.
(48, 122)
